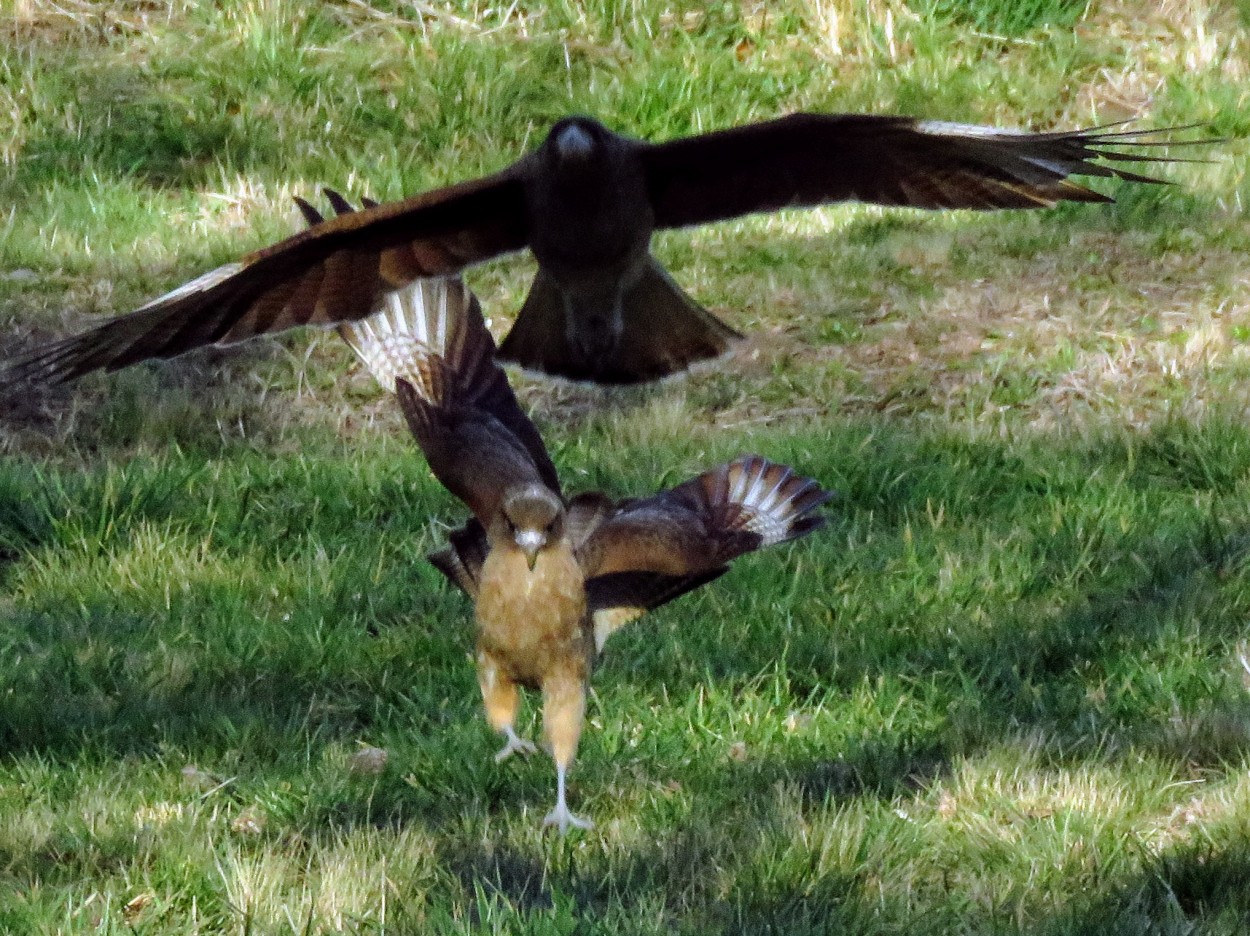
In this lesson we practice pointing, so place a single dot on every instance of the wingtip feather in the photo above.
(771, 500)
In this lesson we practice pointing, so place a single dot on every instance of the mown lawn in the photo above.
(1006, 690)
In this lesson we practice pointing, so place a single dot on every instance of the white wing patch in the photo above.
(949, 128)
(766, 493)
(199, 284)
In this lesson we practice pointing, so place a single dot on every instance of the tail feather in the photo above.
(664, 332)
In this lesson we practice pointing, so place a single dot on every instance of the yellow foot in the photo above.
(515, 745)
(560, 816)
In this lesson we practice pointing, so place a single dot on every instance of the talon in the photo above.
(560, 816)
(516, 745)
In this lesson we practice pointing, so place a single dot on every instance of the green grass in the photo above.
(1006, 690)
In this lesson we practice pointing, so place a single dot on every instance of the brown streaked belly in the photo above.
(533, 622)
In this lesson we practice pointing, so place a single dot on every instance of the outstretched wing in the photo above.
(333, 272)
(653, 550)
(811, 159)
(429, 342)
(707, 521)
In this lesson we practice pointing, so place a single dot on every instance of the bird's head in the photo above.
(576, 141)
(531, 518)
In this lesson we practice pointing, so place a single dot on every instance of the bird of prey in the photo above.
(601, 308)
(552, 577)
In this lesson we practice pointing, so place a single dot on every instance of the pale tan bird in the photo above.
(601, 308)
(551, 577)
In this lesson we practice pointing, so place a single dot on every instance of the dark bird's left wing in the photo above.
(333, 272)
(811, 159)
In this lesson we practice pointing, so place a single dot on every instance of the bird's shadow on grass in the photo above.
(682, 878)
(690, 878)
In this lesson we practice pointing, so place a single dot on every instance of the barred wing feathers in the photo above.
(332, 272)
(707, 521)
(430, 343)
(653, 550)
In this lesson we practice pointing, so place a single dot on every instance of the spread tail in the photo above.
(664, 332)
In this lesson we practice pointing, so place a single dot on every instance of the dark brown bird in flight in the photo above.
(586, 203)
(552, 577)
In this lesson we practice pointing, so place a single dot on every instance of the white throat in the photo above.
(531, 539)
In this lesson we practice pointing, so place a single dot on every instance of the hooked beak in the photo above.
(530, 541)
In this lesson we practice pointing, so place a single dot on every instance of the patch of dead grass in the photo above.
(1103, 328)
(57, 22)
(857, 29)
(1152, 43)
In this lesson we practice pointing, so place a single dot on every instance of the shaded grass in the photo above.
(1004, 655)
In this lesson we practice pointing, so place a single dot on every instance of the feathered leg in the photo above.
(502, 700)
(564, 708)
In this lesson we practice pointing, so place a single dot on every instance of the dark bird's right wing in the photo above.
(333, 272)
